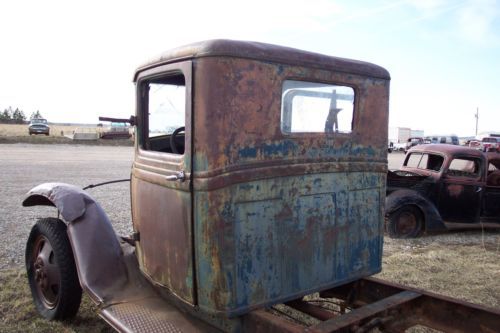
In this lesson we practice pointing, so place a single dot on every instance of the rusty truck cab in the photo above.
(259, 173)
(259, 177)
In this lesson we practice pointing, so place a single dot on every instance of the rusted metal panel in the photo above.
(286, 236)
(98, 256)
(238, 118)
(162, 209)
(278, 216)
(164, 248)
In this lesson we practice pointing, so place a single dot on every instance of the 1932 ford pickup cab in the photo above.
(259, 177)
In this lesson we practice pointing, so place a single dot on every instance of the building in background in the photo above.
(402, 134)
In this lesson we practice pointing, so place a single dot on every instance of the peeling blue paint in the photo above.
(280, 242)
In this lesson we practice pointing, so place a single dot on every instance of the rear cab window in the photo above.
(311, 107)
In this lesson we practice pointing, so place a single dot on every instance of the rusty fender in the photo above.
(97, 251)
(432, 218)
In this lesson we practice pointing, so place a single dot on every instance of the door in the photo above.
(161, 189)
(461, 191)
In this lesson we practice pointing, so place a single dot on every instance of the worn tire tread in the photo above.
(70, 292)
(391, 219)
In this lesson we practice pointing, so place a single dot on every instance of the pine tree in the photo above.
(18, 116)
(36, 115)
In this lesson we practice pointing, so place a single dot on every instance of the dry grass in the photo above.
(22, 130)
(464, 265)
(18, 313)
(11, 133)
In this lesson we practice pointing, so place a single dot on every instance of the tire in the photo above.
(51, 269)
(406, 222)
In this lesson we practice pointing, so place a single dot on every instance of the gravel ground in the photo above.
(25, 166)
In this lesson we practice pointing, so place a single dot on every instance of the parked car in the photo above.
(38, 126)
(399, 146)
(476, 144)
(489, 144)
(447, 139)
(116, 130)
(390, 147)
(413, 141)
(440, 187)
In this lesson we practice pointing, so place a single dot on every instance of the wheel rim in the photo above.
(407, 224)
(47, 277)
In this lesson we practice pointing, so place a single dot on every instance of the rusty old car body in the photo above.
(441, 187)
(259, 177)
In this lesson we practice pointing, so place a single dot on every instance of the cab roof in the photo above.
(447, 149)
(265, 52)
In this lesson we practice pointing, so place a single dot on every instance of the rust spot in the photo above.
(455, 190)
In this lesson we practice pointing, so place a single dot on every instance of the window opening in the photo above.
(166, 114)
(461, 167)
(309, 107)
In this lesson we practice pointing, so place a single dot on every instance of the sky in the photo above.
(74, 61)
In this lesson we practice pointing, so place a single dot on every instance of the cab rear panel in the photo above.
(280, 215)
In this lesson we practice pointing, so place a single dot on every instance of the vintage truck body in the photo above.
(259, 177)
(440, 187)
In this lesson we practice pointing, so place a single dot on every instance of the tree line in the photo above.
(17, 116)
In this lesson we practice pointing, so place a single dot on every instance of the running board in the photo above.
(137, 307)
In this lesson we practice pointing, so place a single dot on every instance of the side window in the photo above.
(308, 107)
(443, 139)
(413, 160)
(424, 161)
(165, 108)
(464, 167)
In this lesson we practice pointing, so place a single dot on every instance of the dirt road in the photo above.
(24, 166)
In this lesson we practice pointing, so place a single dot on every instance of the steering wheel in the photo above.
(173, 143)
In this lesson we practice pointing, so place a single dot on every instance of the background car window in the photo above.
(424, 161)
(413, 160)
(462, 167)
(434, 162)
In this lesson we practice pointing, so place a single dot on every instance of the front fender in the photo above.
(400, 198)
(97, 251)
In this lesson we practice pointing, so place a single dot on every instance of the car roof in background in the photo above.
(446, 149)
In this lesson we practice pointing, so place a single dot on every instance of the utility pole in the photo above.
(477, 118)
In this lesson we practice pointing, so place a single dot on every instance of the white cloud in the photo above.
(477, 18)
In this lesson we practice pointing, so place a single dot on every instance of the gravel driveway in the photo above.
(24, 166)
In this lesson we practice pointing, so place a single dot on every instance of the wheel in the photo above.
(406, 222)
(173, 143)
(51, 270)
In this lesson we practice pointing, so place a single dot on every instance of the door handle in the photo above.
(479, 189)
(180, 176)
